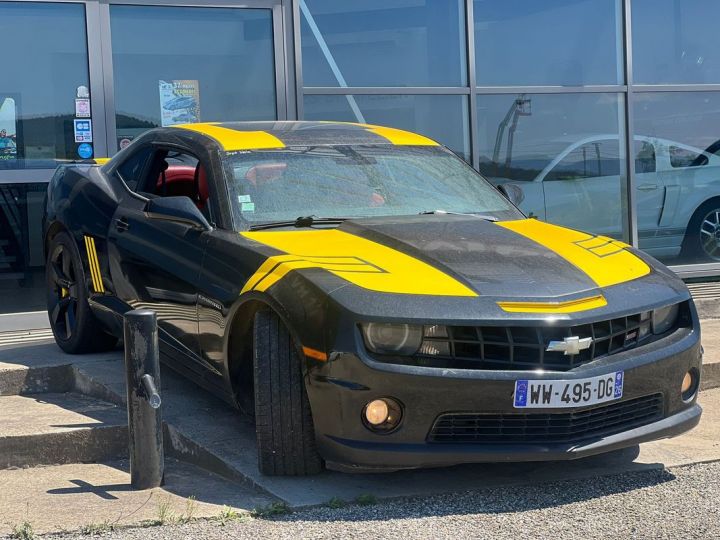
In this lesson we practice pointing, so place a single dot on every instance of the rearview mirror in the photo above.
(178, 209)
(512, 192)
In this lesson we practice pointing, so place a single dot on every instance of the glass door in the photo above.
(181, 63)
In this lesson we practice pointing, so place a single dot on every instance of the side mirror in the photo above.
(512, 193)
(178, 209)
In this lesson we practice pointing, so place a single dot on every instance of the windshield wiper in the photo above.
(302, 221)
(486, 217)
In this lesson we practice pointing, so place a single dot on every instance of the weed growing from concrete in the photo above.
(94, 529)
(274, 509)
(165, 512)
(24, 531)
(190, 509)
(336, 502)
(366, 499)
(228, 514)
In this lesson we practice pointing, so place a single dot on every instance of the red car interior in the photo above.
(179, 180)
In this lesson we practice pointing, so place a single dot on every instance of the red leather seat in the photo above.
(180, 182)
(264, 173)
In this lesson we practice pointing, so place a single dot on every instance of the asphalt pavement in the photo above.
(681, 502)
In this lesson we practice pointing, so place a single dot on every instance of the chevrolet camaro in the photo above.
(369, 299)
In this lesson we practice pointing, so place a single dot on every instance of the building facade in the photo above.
(604, 115)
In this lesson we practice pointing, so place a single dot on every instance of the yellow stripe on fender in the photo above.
(232, 139)
(606, 261)
(571, 306)
(362, 262)
(94, 265)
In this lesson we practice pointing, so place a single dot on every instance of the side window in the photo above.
(174, 173)
(591, 160)
(644, 157)
(130, 171)
(684, 157)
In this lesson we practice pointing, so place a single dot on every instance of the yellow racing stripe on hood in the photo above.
(606, 261)
(362, 262)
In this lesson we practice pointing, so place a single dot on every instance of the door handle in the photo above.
(647, 187)
(121, 224)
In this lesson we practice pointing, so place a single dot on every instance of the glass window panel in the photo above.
(563, 151)
(675, 41)
(22, 263)
(442, 118)
(45, 62)
(383, 43)
(548, 42)
(177, 65)
(678, 203)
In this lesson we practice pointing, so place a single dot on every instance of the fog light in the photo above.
(687, 382)
(377, 412)
(382, 414)
(689, 385)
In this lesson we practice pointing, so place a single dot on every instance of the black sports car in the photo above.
(369, 298)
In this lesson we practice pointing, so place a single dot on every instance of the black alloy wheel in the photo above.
(62, 293)
(73, 323)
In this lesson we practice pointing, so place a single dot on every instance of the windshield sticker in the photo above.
(247, 207)
(244, 198)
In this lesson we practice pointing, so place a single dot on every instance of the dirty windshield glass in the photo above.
(357, 181)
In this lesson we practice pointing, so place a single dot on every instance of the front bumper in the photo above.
(339, 390)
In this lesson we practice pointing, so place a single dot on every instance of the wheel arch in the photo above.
(714, 199)
(52, 231)
(239, 342)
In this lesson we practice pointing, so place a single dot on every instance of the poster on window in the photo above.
(8, 129)
(179, 102)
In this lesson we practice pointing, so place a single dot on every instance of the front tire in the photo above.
(73, 323)
(283, 421)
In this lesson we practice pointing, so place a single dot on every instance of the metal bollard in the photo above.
(142, 368)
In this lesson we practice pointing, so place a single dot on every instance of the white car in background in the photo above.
(677, 188)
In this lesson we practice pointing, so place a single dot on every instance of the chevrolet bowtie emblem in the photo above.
(570, 345)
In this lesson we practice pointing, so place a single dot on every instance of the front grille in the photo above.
(522, 348)
(567, 427)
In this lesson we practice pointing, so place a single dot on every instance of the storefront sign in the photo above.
(85, 151)
(82, 108)
(83, 131)
(179, 102)
(8, 129)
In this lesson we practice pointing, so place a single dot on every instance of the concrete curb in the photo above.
(36, 380)
(710, 377)
(89, 445)
(708, 308)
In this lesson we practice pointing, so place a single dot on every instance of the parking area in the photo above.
(67, 409)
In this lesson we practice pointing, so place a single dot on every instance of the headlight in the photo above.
(663, 319)
(390, 338)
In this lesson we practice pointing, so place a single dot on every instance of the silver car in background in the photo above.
(677, 193)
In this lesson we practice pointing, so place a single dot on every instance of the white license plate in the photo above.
(546, 394)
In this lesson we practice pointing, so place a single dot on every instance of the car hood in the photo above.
(454, 255)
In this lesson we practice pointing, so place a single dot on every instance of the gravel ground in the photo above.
(678, 503)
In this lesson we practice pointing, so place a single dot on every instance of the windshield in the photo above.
(357, 181)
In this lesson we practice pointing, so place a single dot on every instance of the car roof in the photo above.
(235, 136)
